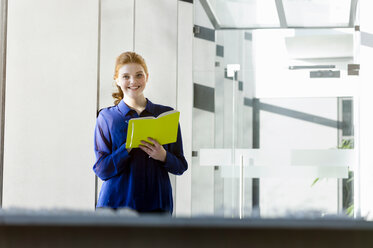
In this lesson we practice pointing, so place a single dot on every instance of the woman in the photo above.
(137, 178)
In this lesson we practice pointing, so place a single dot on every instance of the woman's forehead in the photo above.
(131, 68)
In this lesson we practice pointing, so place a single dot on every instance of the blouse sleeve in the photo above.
(175, 160)
(108, 163)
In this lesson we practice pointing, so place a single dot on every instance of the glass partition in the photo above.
(280, 138)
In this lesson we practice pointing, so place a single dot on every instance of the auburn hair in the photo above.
(126, 58)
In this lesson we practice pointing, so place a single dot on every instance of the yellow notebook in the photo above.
(162, 128)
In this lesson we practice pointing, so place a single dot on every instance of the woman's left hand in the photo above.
(155, 151)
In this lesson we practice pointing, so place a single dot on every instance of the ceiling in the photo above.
(262, 14)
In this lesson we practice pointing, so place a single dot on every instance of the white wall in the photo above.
(155, 24)
(50, 106)
(117, 31)
(52, 69)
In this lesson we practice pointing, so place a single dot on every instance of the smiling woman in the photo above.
(126, 64)
(134, 178)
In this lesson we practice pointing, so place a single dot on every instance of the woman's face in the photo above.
(132, 80)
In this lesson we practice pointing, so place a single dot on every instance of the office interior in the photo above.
(274, 95)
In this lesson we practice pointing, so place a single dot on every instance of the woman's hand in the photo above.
(155, 151)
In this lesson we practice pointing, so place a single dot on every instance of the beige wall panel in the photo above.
(116, 37)
(50, 104)
(156, 40)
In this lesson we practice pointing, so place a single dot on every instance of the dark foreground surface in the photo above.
(66, 229)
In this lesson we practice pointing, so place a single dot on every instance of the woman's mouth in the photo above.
(133, 87)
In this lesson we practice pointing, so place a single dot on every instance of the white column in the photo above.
(185, 103)
(50, 104)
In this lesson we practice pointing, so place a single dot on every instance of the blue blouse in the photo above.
(133, 179)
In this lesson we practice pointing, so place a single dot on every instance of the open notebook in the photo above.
(162, 128)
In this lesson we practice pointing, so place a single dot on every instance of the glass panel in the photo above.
(289, 124)
(317, 13)
(245, 13)
(274, 153)
(289, 48)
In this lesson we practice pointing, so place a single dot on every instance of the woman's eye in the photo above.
(126, 77)
(139, 75)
